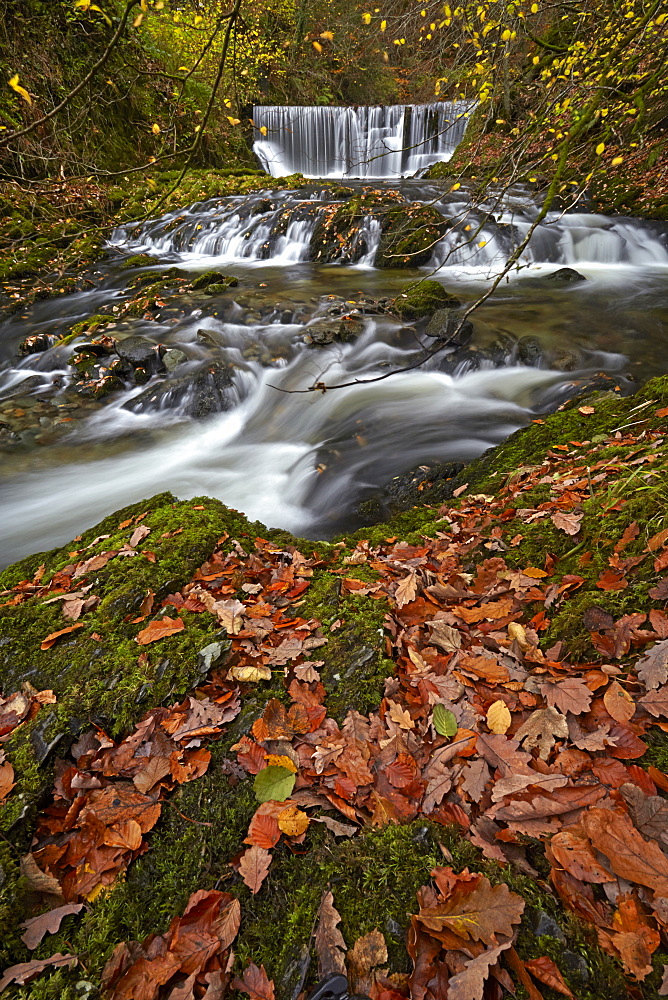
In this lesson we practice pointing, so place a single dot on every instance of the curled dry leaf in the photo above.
(329, 943)
(50, 640)
(256, 983)
(27, 971)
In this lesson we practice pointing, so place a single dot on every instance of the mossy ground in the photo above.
(374, 875)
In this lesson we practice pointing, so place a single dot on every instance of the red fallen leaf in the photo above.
(26, 971)
(53, 638)
(159, 629)
(545, 971)
(254, 866)
(609, 580)
(255, 983)
(663, 412)
(264, 830)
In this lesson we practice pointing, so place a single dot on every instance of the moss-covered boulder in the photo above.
(423, 298)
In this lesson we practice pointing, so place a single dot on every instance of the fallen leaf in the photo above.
(544, 969)
(498, 717)
(159, 630)
(541, 730)
(406, 590)
(293, 822)
(47, 923)
(139, 534)
(256, 983)
(570, 694)
(273, 783)
(652, 668)
(329, 944)
(570, 523)
(444, 721)
(254, 866)
(619, 703)
(366, 955)
(50, 640)
(572, 850)
(445, 636)
(25, 972)
(629, 854)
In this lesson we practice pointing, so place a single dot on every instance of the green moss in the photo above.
(422, 298)
(408, 236)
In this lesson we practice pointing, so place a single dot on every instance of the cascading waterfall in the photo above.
(373, 142)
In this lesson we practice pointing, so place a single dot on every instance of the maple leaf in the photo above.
(27, 971)
(629, 854)
(159, 629)
(254, 866)
(329, 943)
(542, 729)
(570, 523)
(47, 923)
(364, 957)
(569, 694)
(652, 668)
(256, 983)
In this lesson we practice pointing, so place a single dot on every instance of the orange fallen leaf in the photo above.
(293, 822)
(55, 636)
(159, 630)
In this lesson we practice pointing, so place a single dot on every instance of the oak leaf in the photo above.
(448, 638)
(27, 971)
(329, 944)
(364, 957)
(469, 984)
(46, 923)
(652, 668)
(481, 913)
(159, 630)
(656, 702)
(254, 866)
(569, 694)
(406, 590)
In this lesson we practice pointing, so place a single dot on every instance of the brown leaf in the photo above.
(6, 779)
(155, 769)
(609, 580)
(406, 589)
(37, 881)
(546, 972)
(50, 640)
(445, 636)
(656, 702)
(138, 535)
(652, 668)
(619, 703)
(27, 971)
(254, 866)
(47, 923)
(364, 957)
(255, 983)
(470, 982)
(570, 523)
(490, 611)
(629, 854)
(481, 913)
(597, 619)
(572, 850)
(159, 629)
(329, 943)
(569, 694)
(541, 730)
(337, 828)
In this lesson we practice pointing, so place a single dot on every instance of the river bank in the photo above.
(562, 523)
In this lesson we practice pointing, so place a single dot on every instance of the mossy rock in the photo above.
(423, 298)
(139, 260)
(216, 278)
(408, 236)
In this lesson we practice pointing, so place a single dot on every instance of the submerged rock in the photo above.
(197, 394)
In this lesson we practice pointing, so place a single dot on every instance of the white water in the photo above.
(383, 142)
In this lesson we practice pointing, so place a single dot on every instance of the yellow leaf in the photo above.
(280, 760)
(160, 4)
(366, 18)
(534, 8)
(535, 60)
(250, 673)
(483, 243)
(198, 19)
(329, 35)
(183, 69)
(317, 46)
(17, 88)
(293, 822)
(263, 129)
(600, 148)
(498, 717)
(138, 20)
(233, 121)
(616, 160)
(155, 128)
(455, 187)
(505, 35)
(383, 25)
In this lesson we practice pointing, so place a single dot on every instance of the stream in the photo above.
(224, 421)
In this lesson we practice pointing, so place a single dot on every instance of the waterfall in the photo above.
(382, 142)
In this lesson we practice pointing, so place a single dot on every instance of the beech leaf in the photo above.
(254, 866)
(273, 783)
(444, 721)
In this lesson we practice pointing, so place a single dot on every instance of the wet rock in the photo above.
(197, 394)
(172, 358)
(530, 352)
(325, 332)
(99, 387)
(211, 280)
(140, 353)
(423, 298)
(139, 260)
(444, 323)
(36, 344)
(408, 236)
(566, 275)
(28, 385)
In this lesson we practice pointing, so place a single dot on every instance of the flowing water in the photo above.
(305, 460)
